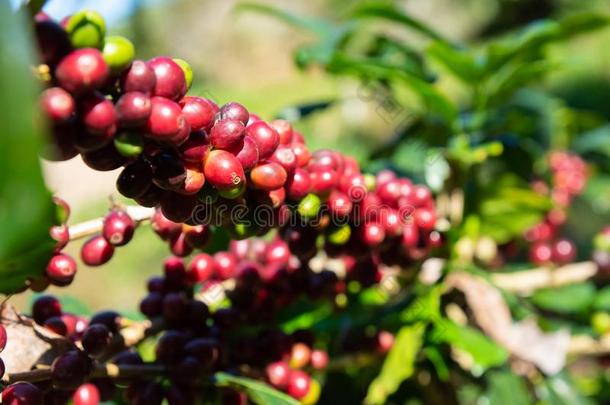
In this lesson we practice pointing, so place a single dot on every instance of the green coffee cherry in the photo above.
(233, 192)
(129, 145)
(600, 322)
(242, 230)
(370, 182)
(188, 71)
(340, 235)
(118, 53)
(86, 29)
(309, 206)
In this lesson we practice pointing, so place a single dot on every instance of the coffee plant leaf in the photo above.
(399, 364)
(257, 392)
(464, 65)
(602, 300)
(569, 299)
(561, 390)
(506, 388)
(26, 208)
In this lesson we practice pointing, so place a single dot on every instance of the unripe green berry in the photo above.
(340, 235)
(188, 71)
(86, 29)
(370, 182)
(118, 53)
(129, 144)
(233, 192)
(600, 322)
(309, 206)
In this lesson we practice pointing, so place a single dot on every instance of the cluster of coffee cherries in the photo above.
(568, 179)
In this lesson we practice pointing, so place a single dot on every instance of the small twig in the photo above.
(106, 370)
(585, 345)
(94, 226)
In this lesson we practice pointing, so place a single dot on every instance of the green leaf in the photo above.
(570, 299)
(485, 353)
(391, 13)
(398, 365)
(459, 62)
(576, 24)
(602, 300)
(316, 25)
(258, 392)
(506, 388)
(560, 390)
(26, 209)
(595, 140)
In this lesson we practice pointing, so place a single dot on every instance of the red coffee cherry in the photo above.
(196, 236)
(541, 253)
(319, 359)
(424, 218)
(3, 338)
(118, 228)
(302, 154)
(193, 181)
(266, 138)
(277, 252)
(201, 268)
(325, 159)
(284, 129)
(298, 384)
(133, 109)
(82, 70)
(248, 154)
(163, 226)
(278, 374)
(223, 170)
(385, 341)
(98, 115)
(57, 104)
(225, 265)
(60, 233)
(196, 148)
(268, 176)
(564, 251)
(166, 123)
(372, 234)
(86, 394)
(323, 181)
(96, 251)
(298, 184)
(339, 204)
(285, 157)
(57, 325)
(227, 134)
(300, 355)
(170, 80)
(138, 77)
(61, 269)
(235, 111)
(199, 112)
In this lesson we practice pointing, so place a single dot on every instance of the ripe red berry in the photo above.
(339, 205)
(86, 394)
(541, 253)
(227, 134)
(235, 111)
(133, 109)
(285, 157)
(61, 269)
(424, 218)
(164, 227)
(385, 341)
(225, 265)
(170, 79)
(199, 112)
(300, 355)
(96, 251)
(61, 234)
(284, 129)
(301, 153)
(98, 115)
(278, 374)
(139, 77)
(57, 104)
(70, 370)
(564, 251)
(223, 170)
(298, 384)
(372, 234)
(118, 228)
(201, 268)
(298, 184)
(248, 154)
(268, 176)
(266, 138)
(196, 148)
(22, 393)
(319, 359)
(277, 252)
(166, 123)
(82, 70)
(96, 339)
(323, 181)
(3, 338)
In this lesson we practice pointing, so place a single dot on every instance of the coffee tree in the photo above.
(439, 270)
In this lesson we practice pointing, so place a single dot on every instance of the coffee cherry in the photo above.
(96, 339)
(70, 370)
(277, 252)
(170, 347)
(235, 111)
(57, 325)
(309, 206)
(267, 139)
(98, 115)
(301, 153)
(196, 148)
(201, 268)
(82, 70)
(284, 129)
(385, 341)
(86, 394)
(152, 305)
(45, 307)
(227, 134)
(170, 80)
(223, 170)
(57, 104)
(339, 205)
(118, 228)
(133, 109)
(179, 246)
(298, 184)
(178, 208)
(96, 251)
(187, 70)
(139, 77)
(3, 338)
(278, 374)
(225, 265)
(22, 393)
(135, 179)
(564, 251)
(319, 359)
(61, 234)
(53, 41)
(300, 355)
(151, 197)
(325, 159)
(164, 227)
(541, 253)
(199, 112)
(298, 384)
(268, 176)
(104, 159)
(248, 154)
(424, 218)
(169, 172)
(118, 53)
(372, 234)
(61, 269)
(110, 319)
(323, 181)
(166, 123)
(285, 157)
(86, 29)
(193, 182)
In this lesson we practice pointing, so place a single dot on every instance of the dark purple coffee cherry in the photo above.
(133, 109)
(135, 179)
(22, 393)
(139, 77)
(96, 339)
(70, 370)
